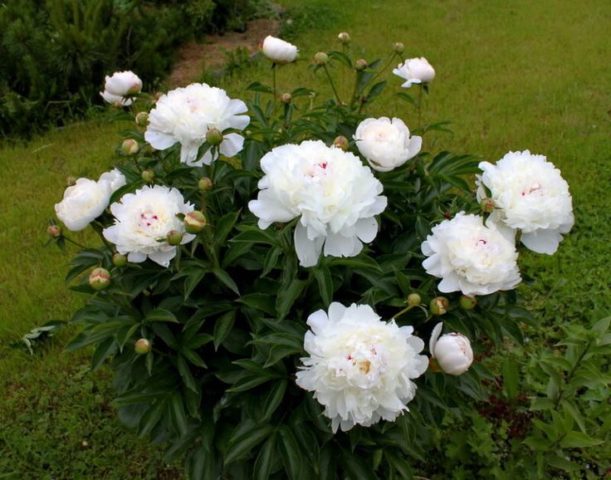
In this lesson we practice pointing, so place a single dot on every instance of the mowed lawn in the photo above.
(510, 76)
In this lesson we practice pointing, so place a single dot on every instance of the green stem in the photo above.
(68, 239)
(571, 373)
(332, 85)
(420, 99)
(275, 92)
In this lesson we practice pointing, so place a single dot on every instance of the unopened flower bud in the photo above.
(361, 64)
(174, 237)
(286, 98)
(214, 136)
(341, 142)
(70, 181)
(467, 302)
(148, 175)
(54, 231)
(119, 260)
(452, 351)
(344, 37)
(130, 146)
(142, 119)
(439, 305)
(99, 278)
(413, 300)
(398, 47)
(142, 346)
(195, 221)
(204, 184)
(487, 205)
(321, 58)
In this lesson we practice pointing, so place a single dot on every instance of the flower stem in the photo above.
(68, 239)
(275, 92)
(420, 100)
(332, 84)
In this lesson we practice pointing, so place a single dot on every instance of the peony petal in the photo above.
(232, 144)
(308, 251)
(434, 336)
(415, 145)
(159, 140)
(163, 257)
(542, 241)
(366, 229)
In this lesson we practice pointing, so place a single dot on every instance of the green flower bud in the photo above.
(398, 47)
(341, 142)
(214, 136)
(467, 302)
(321, 58)
(142, 346)
(413, 300)
(148, 175)
(286, 98)
(195, 221)
(130, 146)
(174, 237)
(142, 119)
(439, 305)
(54, 231)
(99, 278)
(204, 184)
(119, 260)
(344, 37)
(487, 205)
(361, 64)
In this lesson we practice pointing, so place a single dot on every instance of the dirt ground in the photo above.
(210, 52)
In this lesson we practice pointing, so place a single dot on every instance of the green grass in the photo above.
(510, 76)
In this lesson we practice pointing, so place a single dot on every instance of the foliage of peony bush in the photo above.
(265, 296)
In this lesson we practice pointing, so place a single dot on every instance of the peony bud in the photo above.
(99, 278)
(344, 37)
(70, 181)
(341, 142)
(413, 300)
(321, 58)
(214, 136)
(130, 146)
(439, 305)
(487, 205)
(279, 51)
(142, 346)
(467, 302)
(142, 119)
(398, 47)
(204, 184)
(286, 98)
(361, 64)
(174, 237)
(119, 260)
(148, 175)
(195, 221)
(54, 231)
(451, 351)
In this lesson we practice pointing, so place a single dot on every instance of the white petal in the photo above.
(366, 229)
(163, 257)
(159, 140)
(308, 251)
(542, 241)
(434, 336)
(232, 144)
(415, 145)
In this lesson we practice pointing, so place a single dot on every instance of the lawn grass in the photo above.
(510, 76)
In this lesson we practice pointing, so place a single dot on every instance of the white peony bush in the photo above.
(470, 257)
(185, 115)
(386, 143)
(529, 195)
(359, 367)
(334, 196)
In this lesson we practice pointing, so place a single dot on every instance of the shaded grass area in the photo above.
(510, 76)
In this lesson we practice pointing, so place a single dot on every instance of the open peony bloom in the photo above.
(415, 70)
(470, 257)
(185, 115)
(143, 220)
(452, 351)
(359, 367)
(120, 86)
(83, 202)
(529, 194)
(386, 143)
(279, 51)
(334, 195)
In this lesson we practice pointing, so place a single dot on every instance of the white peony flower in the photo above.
(386, 143)
(360, 367)
(529, 194)
(143, 220)
(83, 202)
(415, 70)
(185, 115)
(114, 178)
(334, 195)
(279, 51)
(470, 257)
(452, 351)
(120, 86)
